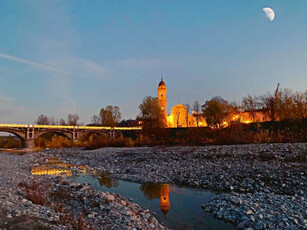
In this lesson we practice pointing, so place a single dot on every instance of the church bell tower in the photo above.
(162, 100)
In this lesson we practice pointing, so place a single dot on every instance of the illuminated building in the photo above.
(179, 116)
(247, 117)
(162, 100)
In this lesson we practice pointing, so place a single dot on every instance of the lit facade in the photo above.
(247, 117)
(179, 116)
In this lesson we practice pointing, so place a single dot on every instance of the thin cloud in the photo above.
(31, 63)
(6, 99)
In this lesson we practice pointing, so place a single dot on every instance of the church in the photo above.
(179, 116)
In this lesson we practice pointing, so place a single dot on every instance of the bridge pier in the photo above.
(27, 143)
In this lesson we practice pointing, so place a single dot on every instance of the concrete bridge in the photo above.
(28, 133)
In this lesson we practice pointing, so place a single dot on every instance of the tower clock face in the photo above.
(162, 108)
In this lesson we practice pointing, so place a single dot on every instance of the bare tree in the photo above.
(196, 111)
(286, 105)
(250, 104)
(62, 122)
(72, 119)
(300, 104)
(187, 114)
(268, 102)
(51, 121)
(96, 120)
(42, 120)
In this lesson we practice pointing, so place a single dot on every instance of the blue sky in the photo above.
(58, 55)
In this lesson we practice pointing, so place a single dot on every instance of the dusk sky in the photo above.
(59, 55)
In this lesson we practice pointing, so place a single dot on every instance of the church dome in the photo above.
(162, 83)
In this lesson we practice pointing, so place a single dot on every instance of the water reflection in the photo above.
(176, 207)
(56, 167)
(106, 180)
(160, 191)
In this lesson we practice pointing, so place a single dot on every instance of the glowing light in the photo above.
(70, 127)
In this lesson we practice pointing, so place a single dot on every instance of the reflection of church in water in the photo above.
(164, 198)
(179, 116)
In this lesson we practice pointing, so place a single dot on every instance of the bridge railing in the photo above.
(69, 127)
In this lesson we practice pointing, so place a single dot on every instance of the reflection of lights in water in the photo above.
(55, 166)
(50, 171)
(160, 191)
(164, 198)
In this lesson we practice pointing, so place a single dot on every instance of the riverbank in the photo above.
(260, 181)
(43, 202)
(277, 170)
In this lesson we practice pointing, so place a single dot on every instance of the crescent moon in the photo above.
(269, 13)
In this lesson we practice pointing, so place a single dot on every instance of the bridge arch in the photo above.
(65, 133)
(133, 135)
(88, 132)
(18, 133)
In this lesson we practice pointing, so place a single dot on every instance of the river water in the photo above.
(175, 207)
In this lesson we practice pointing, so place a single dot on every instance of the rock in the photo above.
(259, 226)
(110, 198)
(249, 212)
(84, 188)
(242, 224)
(123, 202)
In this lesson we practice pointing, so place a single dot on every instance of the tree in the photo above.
(269, 104)
(300, 100)
(250, 104)
(96, 120)
(42, 120)
(149, 111)
(216, 111)
(72, 119)
(196, 111)
(187, 115)
(110, 116)
(52, 121)
(62, 122)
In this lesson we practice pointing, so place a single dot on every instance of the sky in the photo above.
(59, 57)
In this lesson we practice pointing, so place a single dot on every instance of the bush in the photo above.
(92, 141)
(10, 142)
(35, 192)
(267, 132)
(121, 142)
(56, 142)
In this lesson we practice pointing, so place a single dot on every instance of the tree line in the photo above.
(282, 105)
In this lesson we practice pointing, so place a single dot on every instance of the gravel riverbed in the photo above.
(44, 202)
(271, 176)
(265, 185)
